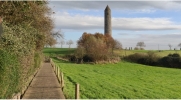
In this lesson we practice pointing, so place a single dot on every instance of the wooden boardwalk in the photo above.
(45, 85)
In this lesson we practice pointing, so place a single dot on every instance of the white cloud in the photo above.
(151, 40)
(78, 22)
(144, 24)
(121, 5)
(65, 20)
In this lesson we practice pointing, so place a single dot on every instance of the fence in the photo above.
(59, 75)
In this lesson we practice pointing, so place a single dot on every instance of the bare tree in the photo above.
(51, 42)
(58, 34)
(118, 44)
(141, 44)
(179, 45)
(69, 42)
(170, 46)
(62, 42)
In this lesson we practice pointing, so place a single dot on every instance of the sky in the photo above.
(156, 23)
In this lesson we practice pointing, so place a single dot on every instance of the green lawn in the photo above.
(161, 54)
(64, 51)
(122, 80)
(117, 81)
(58, 51)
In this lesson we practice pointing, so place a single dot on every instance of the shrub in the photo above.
(148, 59)
(135, 57)
(19, 42)
(172, 61)
(136, 48)
(9, 77)
(175, 55)
(37, 59)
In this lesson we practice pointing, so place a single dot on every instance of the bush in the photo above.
(135, 57)
(18, 43)
(175, 55)
(9, 77)
(136, 48)
(171, 61)
(148, 59)
(37, 59)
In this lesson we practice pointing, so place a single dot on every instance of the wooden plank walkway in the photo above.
(45, 85)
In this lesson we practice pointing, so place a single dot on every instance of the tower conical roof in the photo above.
(107, 8)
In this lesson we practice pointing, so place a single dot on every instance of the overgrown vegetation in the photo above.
(171, 61)
(27, 27)
(96, 48)
(10, 74)
(151, 58)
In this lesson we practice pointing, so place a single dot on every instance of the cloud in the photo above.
(151, 40)
(77, 22)
(65, 20)
(120, 5)
(144, 24)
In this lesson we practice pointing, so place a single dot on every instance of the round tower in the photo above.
(107, 21)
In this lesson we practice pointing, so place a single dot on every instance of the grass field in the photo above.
(64, 51)
(122, 80)
(58, 51)
(161, 54)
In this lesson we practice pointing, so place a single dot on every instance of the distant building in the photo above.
(107, 21)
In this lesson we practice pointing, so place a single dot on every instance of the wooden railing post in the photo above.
(62, 81)
(58, 74)
(53, 66)
(77, 96)
(56, 69)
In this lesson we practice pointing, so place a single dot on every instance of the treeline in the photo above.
(27, 27)
(150, 58)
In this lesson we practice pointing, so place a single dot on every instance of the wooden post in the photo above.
(77, 96)
(56, 69)
(19, 96)
(58, 75)
(53, 66)
(62, 81)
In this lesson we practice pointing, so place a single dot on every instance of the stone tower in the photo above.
(107, 21)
